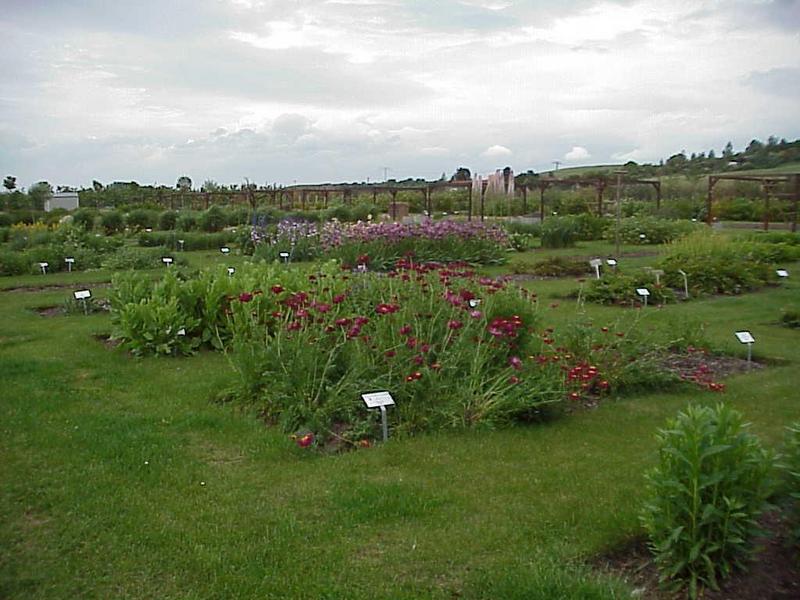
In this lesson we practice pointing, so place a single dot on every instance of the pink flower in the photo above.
(386, 309)
(338, 298)
(475, 314)
(455, 324)
(515, 362)
(245, 297)
(322, 307)
(405, 330)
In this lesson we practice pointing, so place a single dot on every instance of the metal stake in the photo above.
(384, 423)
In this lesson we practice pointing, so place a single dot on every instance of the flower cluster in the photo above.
(335, 234)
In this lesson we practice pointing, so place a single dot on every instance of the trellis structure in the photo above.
(769, 183)
(600, 184)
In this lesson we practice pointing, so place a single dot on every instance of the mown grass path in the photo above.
(120, 478)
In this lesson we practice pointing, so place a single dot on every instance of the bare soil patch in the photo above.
(50, 311)
(56, 286)
(772, 574)
(106, 340)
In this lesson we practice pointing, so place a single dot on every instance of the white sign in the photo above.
(745, 337)
(181, 331)
(377, 399)
(595, 262)
(642, 236)
(474, 303)
(782, 273)
(148, 229)
(231, 270)
(44, 265)
(643, 291)
(611, 262)
(225, 250)
(69, 260)
(82, 294)
(167, 260)
(283, 254)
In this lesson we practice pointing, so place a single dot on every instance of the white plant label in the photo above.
(284, 254)
(377, 399)
(611, 262)
(595, 262)
(231, 270)
(782, 273)
(225, 250)
(69, 260)
(82, 294)
(44, 265)
(745, 337)
(643, 291)
(167, 260)
(475, 303)
(181, 331)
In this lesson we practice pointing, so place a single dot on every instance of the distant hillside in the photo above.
(774, 156)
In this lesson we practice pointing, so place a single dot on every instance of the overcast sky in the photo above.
(336, 90)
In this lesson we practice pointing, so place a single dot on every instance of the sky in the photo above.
(314, 91)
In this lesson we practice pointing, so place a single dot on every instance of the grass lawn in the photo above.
(121, 478)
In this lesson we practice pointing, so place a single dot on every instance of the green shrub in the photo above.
(559, 232)
(84, 218)
(141, 219)
(112, 222)
(616, 287)
(156, 326)
(186, 222)
(554, 266)
(655, 230)
(4, 233)
(13, 263)
(212, 220)
(191, 240)
(704, 497)
(5, 220)
(129, 257)
(237, 216)
(790, 318)
(717, 265)
(790, 465)
(167, 220)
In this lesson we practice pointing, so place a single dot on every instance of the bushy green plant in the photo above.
(155, 326)
(790, 465)
(553, 266)
(167, 220)
(617, 287)
(129, 257)
(141, 218)
(5, 220)
(186, 222)
(717, 265)
(191, 240)
(13, 263)
(790, 318)
(559, 232)
(704, 497)
(112, 222)
(212, 220)
(84, 218)
(655, 230)
(237, 216)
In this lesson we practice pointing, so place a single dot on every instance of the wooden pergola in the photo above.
(599, 183)
(769, 183)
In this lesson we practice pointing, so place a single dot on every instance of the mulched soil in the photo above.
(60, 286)
(772, 574)
(50, 311)
(106, 340)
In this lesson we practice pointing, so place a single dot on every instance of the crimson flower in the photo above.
(277, 289)
(338, 298)
(245, 297)
(405, 330)
(515, 362)
(455, 324)
(306, 440)
(322, 307)
(386, 309)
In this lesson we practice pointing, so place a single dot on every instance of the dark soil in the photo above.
(106, 340)
(59, 286)
(687, 365)
(772, 574)
(50, 311)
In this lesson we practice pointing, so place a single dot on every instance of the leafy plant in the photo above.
(167, 220)
(112, 222)
(212, 220)
(791, 469)
(790, 318)
(654, 230)
(704, 497)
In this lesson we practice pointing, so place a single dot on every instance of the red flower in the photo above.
(604, 329)
(514, 379)
(515, 362)
(575, 396)
(277, 289)
(386, 309)
(390, 353)
(245, 297)
(343, 322)
(363, 259)
(306, 440)
(455, 324)
(436, 366)
(338, 298)
(322, 307)
(293, 326)
(361, 321)
(411, 343)
(405, 330)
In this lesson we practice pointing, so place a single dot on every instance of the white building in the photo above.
(67, 200)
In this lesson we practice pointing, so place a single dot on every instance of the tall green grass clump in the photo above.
(791, 468)
(704, 497)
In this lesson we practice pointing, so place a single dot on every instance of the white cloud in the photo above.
(334, 90)
(496, 151)
(577, 153)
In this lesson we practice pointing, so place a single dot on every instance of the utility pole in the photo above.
(556, 163)
(386, 173)
(619, 175)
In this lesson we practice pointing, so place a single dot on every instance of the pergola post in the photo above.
(765, 188)
(711, 181)
(483, 199)
(469, 205)
(541, 203)
(600, 188)
(524, 199)
(393, 192)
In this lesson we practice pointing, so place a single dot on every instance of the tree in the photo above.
(38, 194)
(461, 174)
(711, 154)
(184, 183)
(10, 183)
(98, 187)
(209, 185)
(727, 152)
